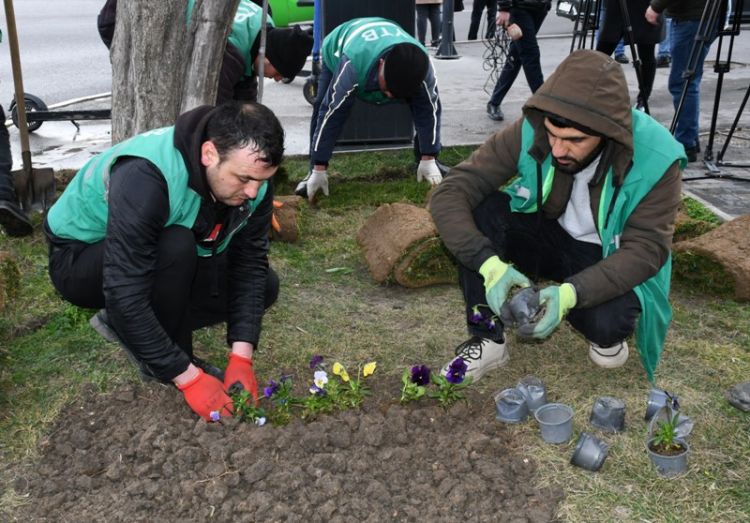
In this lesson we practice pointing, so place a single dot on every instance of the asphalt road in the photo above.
(63, 58)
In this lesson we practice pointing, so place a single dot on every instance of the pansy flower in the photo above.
(369, 368)
(476, 316)
(420, 374)
(317, 390)
(456, 371)
(315, 361)
(271, 389)
(340, 371)
(320, 378)
(490, 323)
(214, 415)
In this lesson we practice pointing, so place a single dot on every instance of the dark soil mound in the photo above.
(139, 454)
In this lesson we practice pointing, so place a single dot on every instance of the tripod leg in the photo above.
(637, 65)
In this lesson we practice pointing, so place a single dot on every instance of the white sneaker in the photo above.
(481, 356)
(609, 357)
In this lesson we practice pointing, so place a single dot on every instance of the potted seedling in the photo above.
(666, 449)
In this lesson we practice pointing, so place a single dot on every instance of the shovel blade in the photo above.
(36, 189)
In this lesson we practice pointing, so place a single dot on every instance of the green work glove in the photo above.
(499, 279)
(557, 301)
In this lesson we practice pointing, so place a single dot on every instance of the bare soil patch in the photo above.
(138, 454)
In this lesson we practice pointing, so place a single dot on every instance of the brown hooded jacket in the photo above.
(588, 88)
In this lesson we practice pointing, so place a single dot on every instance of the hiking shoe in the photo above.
(494, 112)
(622, 59)
(481, 356)
(100, 324)
(692, 153)
(609, 357)
(663, 61)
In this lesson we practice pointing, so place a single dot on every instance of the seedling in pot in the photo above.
(667, 451)
(522, 308)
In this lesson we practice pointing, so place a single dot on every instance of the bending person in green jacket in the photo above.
(167, 232)
(590, 189)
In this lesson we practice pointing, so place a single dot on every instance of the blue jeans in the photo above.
(523, 53)
(683, 35)
(665, 46)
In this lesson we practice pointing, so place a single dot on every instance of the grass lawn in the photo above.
(48, 352)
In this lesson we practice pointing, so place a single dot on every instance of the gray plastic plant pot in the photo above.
(590, 452)
(669, 466)
(657, 398)
(608, 414)
(555, 422)
(665, 415)
(511, 406)
(534, 391)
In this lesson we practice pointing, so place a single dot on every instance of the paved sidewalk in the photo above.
(463, 89)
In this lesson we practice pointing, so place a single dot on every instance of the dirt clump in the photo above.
(138, 454)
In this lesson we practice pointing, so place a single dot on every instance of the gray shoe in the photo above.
(481, 356)
(609, 357)
(100, 324)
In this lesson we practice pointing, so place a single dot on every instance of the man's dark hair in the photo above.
(559, 121)
(405, 68)
(234, 125)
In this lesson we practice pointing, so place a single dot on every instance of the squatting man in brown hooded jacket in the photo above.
(607, 181)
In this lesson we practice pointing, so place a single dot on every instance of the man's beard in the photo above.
(576, 166)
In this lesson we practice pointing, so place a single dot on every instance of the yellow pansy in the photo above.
(369, 368)
(339, 370)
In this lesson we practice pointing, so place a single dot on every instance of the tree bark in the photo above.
(159, 67)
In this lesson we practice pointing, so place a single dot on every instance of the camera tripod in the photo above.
(714, 12)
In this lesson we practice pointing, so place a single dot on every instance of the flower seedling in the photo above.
(282, 401)
(414, 380)
(664, 439)
(482, 314)
(244, 407)
(354, 395)
(449, 386)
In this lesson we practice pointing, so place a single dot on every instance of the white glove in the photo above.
(428, 170)
(313, 182)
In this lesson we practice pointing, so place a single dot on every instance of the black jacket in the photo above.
(138, 211)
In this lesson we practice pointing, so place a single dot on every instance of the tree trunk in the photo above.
(159, 67)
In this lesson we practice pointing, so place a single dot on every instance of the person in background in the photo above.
(13, 220)
(645, 37)
(476, 18)
(287, 49)
(167, 232)
(582, 190)
(685, 19)
(528, 15)
(429, 10)
(377, 61)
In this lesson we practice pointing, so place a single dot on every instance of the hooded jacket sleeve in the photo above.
(488, 169)
(248, 271)
(138, 212)
(426, 109)
(645, 245)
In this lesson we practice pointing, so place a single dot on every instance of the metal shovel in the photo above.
(35, 188)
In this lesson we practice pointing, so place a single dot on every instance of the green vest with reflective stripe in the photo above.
(363, 41)
(82, 211)
(655, 150)
(245, 28)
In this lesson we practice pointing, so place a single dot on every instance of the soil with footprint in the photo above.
(139, 454)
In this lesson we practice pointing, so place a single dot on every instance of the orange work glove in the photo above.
(240, 370)
(205, 394)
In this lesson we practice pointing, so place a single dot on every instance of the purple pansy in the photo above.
(476, 316)
(317, 390)
(456, 371)
(215, 415)
(490, 323)
(315, 361)
(271, 389)
(420, 374)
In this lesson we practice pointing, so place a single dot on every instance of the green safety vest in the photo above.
(363, 41)
(246, 26)
(654, 151)
(82, 211)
